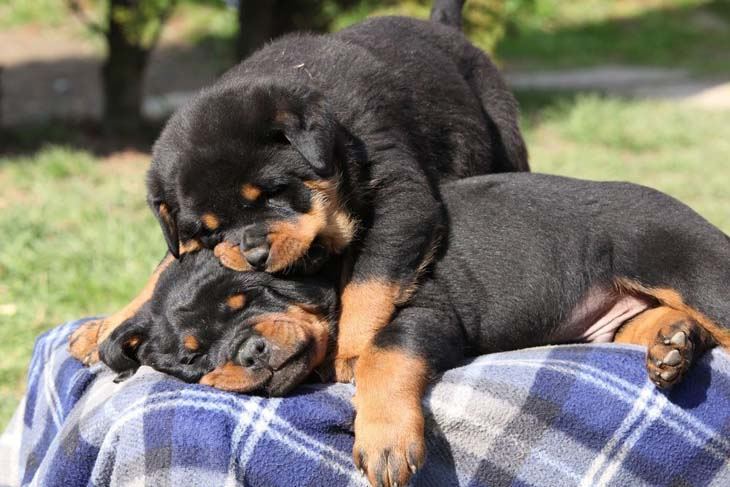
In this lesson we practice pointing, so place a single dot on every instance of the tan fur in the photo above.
(672, 299)
(250, 192)
(390, 387)
(210, 221)
(230, 256)
(236, 301)
(191, 343)
(232, 377)
(297, 326)
(326, 219)
(366, 308)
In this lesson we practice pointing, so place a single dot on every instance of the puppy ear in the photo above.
(311, 129)
(168, 223)
(119, 350)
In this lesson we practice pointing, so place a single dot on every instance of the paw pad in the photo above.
(669, 358)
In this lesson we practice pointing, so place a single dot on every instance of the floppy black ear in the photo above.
(168, 223)
(311, 129)
(119, 350)
(166, 216)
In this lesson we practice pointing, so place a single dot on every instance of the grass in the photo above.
(689, 34)
(79, 239)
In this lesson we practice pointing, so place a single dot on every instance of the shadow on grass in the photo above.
(692, 37)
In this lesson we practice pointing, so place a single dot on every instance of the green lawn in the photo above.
(79, 240)
(689, 34)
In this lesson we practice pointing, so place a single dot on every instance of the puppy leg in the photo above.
(84, 341)
(674, 340)
(391, 378)
(389, 427)
(398, 247)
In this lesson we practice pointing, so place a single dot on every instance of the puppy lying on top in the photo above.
(530, 260)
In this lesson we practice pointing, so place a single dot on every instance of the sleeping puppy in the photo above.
(318, 144)
(238, 331)
(530, 260)
(327, 143)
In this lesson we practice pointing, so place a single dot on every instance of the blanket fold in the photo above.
(566, 415)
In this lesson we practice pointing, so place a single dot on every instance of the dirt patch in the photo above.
(55, 74)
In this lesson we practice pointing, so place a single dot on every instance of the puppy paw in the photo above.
(390, 448)
(83, 342)
(344, 369)
(671, 354)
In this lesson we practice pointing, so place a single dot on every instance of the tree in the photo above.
(259, 21)
(132, 29)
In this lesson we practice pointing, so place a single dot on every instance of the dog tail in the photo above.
(447, 12)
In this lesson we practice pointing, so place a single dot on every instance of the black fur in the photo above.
(385, 110)
(523, 249)
(190, 300)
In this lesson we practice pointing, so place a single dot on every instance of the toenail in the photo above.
(679, 339)
(673, 358)
(669, 374)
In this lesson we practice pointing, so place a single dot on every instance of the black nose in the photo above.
(255, 245)
(257, 257)
(254, 353)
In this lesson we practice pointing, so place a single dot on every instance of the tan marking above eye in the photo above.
(236, 301)
(250, 192)
(191, 343)
(210, 221)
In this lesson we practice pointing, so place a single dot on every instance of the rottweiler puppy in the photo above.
(326, 143)
(530, 260)
(238, 331)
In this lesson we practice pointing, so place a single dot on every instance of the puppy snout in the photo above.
(257, 257)
(254, 353)
(255, 245)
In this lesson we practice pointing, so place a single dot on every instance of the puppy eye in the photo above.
(191, 359)
(276, 137)
(276, 190)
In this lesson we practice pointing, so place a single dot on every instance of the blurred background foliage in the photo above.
(86, 84)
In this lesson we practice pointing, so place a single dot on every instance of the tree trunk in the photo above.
(255, 25)
(122, 77)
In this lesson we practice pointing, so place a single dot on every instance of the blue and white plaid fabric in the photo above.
(568, 415)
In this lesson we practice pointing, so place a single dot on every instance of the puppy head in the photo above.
(240, 331)
(254, 163)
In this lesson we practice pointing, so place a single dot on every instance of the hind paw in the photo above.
(671, 354)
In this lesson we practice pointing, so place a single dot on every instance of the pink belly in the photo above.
(598, 316)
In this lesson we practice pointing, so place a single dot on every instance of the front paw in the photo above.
(389, 448)
(83, 342)
(344, 369)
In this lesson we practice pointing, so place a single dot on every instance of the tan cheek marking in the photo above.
(326, 219)
(210, 221)
(340, 226)
(237, 301)
(191, 343)
(295, 328)
(250, 192)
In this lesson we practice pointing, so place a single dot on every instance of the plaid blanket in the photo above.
(568, 415)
